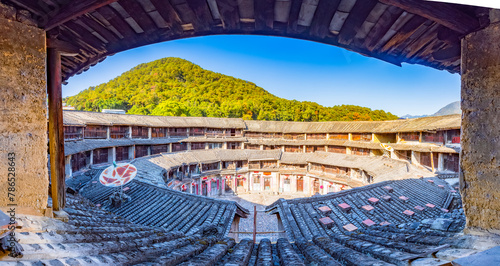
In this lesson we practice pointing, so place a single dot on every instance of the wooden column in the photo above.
(56, 134)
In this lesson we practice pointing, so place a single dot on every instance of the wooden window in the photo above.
(96, 132)
(316, 136)
(315, 148)
(198, 146)
(451, 162)
(253, 147)
(409, 136)
(268, 135)
(197, 132)
(215, 145)
(233, 145)
(210, 166)
(253, 134)
(215, 132)
(159, 132)
(425, 159)
(156, 149)
(453, 136)
(316, 167)
(179, 147)
(118, 132)
(272, 147)
(177, 132)
(362, 136)
(140, 132)
(73, 133)
(293, 149)
(337, 149)
(100, 156)
(269, 164)
(254, 165)
(294, 136)
(121, 153)
(79, 160)
(341, 136)
(360, 151)
(437, 137)
(141, 151)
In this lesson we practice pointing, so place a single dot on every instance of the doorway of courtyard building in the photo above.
(204, 188)
(286, 184)
(256, 183)
(267, 183)
(300, 184)
(316, 186)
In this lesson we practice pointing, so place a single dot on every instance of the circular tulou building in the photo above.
(418, 191)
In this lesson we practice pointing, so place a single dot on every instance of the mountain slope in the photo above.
(450, 109)
(176, 87)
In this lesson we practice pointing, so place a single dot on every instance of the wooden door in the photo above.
(267, 183)
(300, 184)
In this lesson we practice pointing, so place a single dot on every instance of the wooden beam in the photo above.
(293, 18)
(447, 15)
(264, 14)
(74, 9)
(229, 13)
(56, 134)
(64, 48)
(322, 17)
(356, 18)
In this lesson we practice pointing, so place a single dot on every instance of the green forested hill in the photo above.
(176, 87)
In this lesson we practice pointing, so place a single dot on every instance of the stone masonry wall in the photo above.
(23, 115)
(480, 156)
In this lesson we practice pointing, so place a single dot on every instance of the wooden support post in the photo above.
(254, 223)
(432, 161)
(56, 134)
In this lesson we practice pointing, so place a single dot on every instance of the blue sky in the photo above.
(296, 69)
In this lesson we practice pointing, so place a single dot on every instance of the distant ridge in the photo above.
(450, 109)
(176, 87)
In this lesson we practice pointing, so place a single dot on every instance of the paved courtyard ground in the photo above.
(265, 222)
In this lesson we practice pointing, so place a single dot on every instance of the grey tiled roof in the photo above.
(94, 236)
(301, 216)
(155, 206)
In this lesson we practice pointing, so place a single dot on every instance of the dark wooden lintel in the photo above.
(74, 9)
(442, 13)
(64, 48)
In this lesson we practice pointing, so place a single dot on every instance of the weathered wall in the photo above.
(480, 156)
(23, 121)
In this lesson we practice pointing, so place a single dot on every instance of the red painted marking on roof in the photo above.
(420, 208)
(386, 197)
(126, 188)
(453, 191)
(385, 223)
(430, 181)
(430, 205)
(344, 205)
(403, 198)
(325, 209)
(373, 200)
(326, 220)
(408, 212)
(368, 222)
(350, 227)
(368, 207)
(444, 210)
